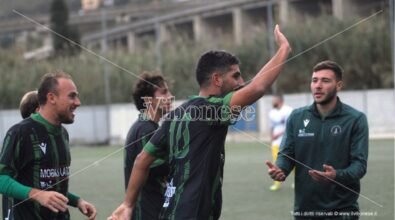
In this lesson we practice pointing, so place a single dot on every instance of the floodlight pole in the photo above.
(107, 91)
(158, 46)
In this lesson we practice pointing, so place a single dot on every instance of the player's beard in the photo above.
(65, 118)
(329, 97)
(227, 88)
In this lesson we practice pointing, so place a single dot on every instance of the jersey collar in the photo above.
(335, 112)
(144, 117)
(208, 97)
(50, 127)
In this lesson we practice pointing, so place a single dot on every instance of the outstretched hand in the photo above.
(274, 172)
(50, 199)
(87, 209)
(123, 212)
(281, 40)
(328, 175)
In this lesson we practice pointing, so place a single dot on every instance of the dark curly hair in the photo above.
(213, 61)
(146, 87)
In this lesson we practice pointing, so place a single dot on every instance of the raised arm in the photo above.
(266, 76)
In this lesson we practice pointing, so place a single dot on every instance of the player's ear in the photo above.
(51, 97)
(339, 85)
(216, 79)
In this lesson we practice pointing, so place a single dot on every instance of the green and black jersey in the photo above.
(151, 197)
(339, 139)
(35, 154)
(193, 137)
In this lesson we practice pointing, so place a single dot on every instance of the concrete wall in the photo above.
(90, 125)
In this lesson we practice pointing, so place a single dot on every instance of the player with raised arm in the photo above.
(192, 137)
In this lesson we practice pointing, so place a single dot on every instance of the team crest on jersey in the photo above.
(43, 147)
(336, 130)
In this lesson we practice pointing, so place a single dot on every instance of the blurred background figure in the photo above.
(278, 118)
(29, 104)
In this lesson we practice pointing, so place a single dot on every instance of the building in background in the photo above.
(89, 5)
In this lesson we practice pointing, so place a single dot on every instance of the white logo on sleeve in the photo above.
(43, 147)
(9, 215)
(306, 122)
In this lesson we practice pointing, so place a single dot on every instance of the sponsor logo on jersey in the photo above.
(58, 172)
(303, 133)
(43, 147)
(45, 185)
(306, 122)
(170, 191)
(336, 130)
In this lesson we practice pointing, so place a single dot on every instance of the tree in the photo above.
(59, 24)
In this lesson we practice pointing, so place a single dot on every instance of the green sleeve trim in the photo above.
(73, 199)
(150, 149)
(227, 99)
(228, 116)
(11, 188)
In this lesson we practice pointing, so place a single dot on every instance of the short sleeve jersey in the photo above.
(193, 137)
(151, 197)
(36, 154)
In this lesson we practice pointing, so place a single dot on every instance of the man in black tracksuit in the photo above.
(327, 143)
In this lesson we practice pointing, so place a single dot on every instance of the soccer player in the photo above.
(327, 143)
(35, 158)
(29, 104)
(192, 137)
(152, 98)
(278, 117)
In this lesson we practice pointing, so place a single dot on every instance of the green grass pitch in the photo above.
(245, 190)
